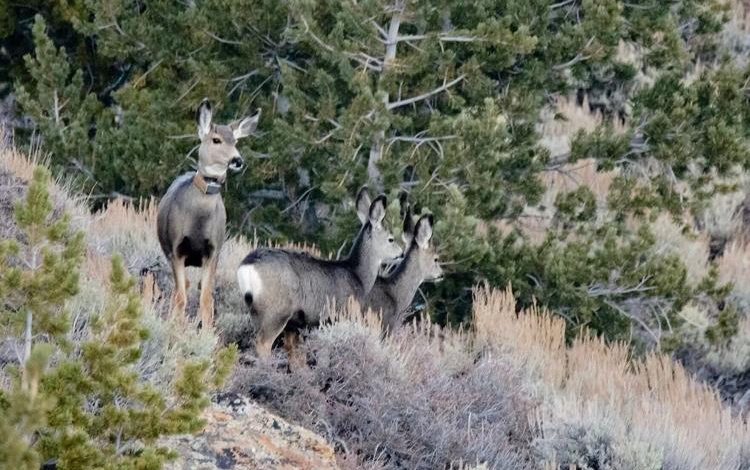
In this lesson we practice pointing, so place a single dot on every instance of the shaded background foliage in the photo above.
(440, 98)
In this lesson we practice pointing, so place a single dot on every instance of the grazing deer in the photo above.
(392, 295)
(283, 287)
(191, 221)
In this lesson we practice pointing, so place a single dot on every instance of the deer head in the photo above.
(218, 148)
(376, 236)
(418, 238)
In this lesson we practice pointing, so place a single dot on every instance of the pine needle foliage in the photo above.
(83, 404)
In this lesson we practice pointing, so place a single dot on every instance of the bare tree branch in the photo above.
(562, 4)
(445, 86)
(221, 40)
(598, 290)
(379, 28)
(298, 200)
(441, 37)
(635, 319)
(578, 58)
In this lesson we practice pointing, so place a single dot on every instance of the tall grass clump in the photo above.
(507, 393)
(418, 399)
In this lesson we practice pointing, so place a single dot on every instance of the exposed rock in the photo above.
(240, 434)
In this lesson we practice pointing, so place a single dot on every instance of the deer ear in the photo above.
(203, 117)
(403, 202)
(423, 233)
(408, 221)
(377, 210)
(363, 204)
(246, 126)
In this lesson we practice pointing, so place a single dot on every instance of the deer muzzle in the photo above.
(236, 164)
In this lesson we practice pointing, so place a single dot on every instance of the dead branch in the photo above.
(444, 87)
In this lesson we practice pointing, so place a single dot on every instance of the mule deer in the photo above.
(191, 216)
(283, 287)
(392, 295)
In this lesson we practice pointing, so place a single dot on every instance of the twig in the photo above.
(298, 200)
(564, 3)
(634, 318)
(223, 41)
(440, 37)
(414, 99)
(578, 58)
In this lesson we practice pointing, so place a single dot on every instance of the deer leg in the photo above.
(291, 345)
(267, 333)
(179, 296)
(206, 309)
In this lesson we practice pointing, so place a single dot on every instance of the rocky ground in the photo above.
(239, 434)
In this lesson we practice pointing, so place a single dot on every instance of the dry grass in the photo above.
(558, 125)
(590, 404)
(560, 122)
(618, 411)
(736, 34)
(722, 218)
(680, 240)
(21, 166)
(418, 399)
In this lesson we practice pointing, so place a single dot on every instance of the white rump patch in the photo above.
(249, 280)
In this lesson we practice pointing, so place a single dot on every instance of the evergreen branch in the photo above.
(189, 89)
(241, 80)
(221, 40)
(424, 96)
(577, 59)
(140, 80)
(364, 62)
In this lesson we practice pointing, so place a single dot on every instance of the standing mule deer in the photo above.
(392, 295)
(191, 222)
(283, 287)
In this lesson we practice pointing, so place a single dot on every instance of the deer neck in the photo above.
(403, 283)
(216, 171)
(362, 260)
(207, 185)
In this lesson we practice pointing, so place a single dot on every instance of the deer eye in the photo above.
(216, 140)
(390, 239)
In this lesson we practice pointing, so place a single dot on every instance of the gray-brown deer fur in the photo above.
(392, 295)
(191, 220)
(283, 286)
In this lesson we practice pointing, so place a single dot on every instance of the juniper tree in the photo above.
(63, 111)
(82, 404)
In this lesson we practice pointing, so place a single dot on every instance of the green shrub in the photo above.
(80, 400)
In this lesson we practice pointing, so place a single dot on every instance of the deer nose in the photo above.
(236, 163)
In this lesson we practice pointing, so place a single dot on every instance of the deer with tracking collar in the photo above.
(191, 220)
(283, 287)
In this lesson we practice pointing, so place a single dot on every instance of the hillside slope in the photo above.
(238, 434)
(508, 392)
